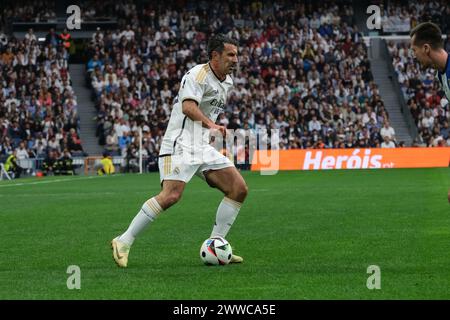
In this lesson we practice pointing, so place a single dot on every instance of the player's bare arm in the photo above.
(191, 110)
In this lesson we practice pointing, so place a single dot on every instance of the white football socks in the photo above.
(148, 213)
(226, 214)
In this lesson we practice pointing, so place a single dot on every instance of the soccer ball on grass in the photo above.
(216, 251)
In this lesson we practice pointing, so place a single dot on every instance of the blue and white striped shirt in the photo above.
(444, 78)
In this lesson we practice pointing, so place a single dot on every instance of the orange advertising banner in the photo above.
(328, 159)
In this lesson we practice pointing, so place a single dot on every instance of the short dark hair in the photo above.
(217, 43)
(427, 32)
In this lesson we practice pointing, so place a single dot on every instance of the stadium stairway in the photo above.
(385, 81)
(86, 110)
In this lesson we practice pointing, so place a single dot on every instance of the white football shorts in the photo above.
(183, 164)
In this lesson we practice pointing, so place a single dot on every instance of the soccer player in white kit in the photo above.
(185, 149)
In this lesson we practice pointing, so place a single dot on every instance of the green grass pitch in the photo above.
(303, 235)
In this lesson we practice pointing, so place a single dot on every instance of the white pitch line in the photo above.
(50, 181)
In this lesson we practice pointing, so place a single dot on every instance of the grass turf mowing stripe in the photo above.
(303, 235)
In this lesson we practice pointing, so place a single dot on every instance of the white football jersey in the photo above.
(201, 85)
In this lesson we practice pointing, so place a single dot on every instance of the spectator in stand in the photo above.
(445, 131)
(387, 143)
(74, 142)
(387, 131)
(52, 38)
(93, 63)
(112, 141)
(124, 142)
(30, 36)
(54, 145)
(298, 63)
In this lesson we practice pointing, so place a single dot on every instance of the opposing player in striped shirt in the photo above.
(428, 48)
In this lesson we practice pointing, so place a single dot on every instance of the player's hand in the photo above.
(216, 128)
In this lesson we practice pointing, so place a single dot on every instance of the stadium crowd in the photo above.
(38, 108)
(427, 103)
(402, 15)
(27, 11)
(45, 10)
(303, 70)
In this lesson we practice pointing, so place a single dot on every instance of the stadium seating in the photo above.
(296, 65)
(303, 70)
(37, 104)
(410, 12)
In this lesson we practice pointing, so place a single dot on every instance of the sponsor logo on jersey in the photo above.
(217, 103)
